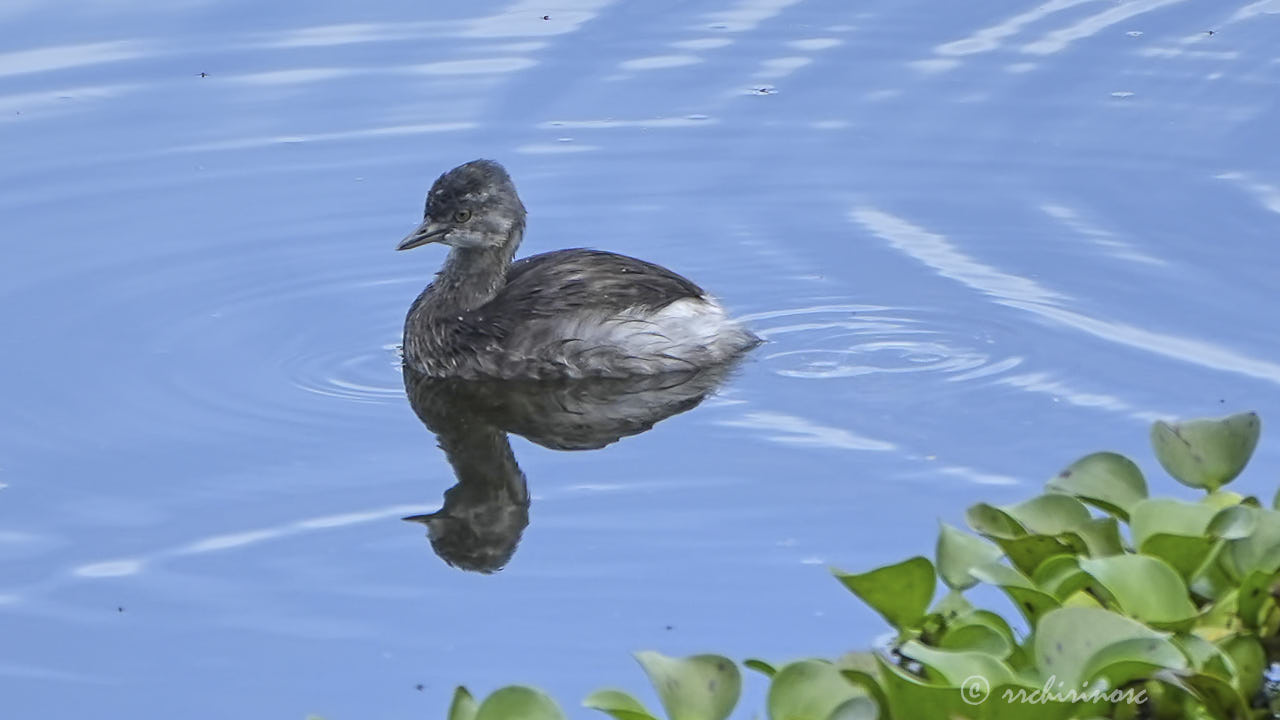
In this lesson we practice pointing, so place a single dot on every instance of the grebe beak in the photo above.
(425, 233)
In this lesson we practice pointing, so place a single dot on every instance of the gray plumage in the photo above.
(568, 313)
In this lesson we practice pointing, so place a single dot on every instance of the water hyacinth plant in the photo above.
(1128, 606)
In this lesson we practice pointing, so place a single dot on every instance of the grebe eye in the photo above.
(462, 216)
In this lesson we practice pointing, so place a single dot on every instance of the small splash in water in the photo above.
(848, 341)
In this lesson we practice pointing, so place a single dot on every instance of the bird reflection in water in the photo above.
(485, 514)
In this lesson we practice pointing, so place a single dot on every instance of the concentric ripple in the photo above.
(239, 337)
(308, 339)
(353, 375)
(838, 341)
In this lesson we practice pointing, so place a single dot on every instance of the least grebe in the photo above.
(562, 314)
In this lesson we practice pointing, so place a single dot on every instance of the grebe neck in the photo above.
(471, 276)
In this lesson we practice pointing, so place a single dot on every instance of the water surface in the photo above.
(981, 241)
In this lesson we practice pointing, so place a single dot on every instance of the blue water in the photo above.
(981, 239)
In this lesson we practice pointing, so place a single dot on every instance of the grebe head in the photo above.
(472, 206)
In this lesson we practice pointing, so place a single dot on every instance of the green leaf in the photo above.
(1254, 597)
(1082, 598)
(1176, 532)
(1144, 587)
(1049, 514)
(1026, 553)
(1099, 536)
(1172, 517)
(900, 593)
(1124, 661)
(1233, 522)
(1032, 601)
(1202, 655)
(1077, 644)
(1172, 689)
(1260, 550)
(701, 687)
(1249, 660)
(1036, 530)
(1220, 614)
(1108, 480)
(1212, 580)
(865, 672)
(958, 551)
(1206, 454)
(1219, 696)
(856, 708)
(910, 697)
(993, 621)
(1184, 554)
(809, 690)
(517, 701)
(976, 637)
(463, 706)
(993, 522)
(955, 667)
(977, 631)
(1061, 576)
(618, 704)
(951, 605)
(1219, 499)
(760, 666)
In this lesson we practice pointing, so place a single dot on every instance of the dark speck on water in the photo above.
(944, 232)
